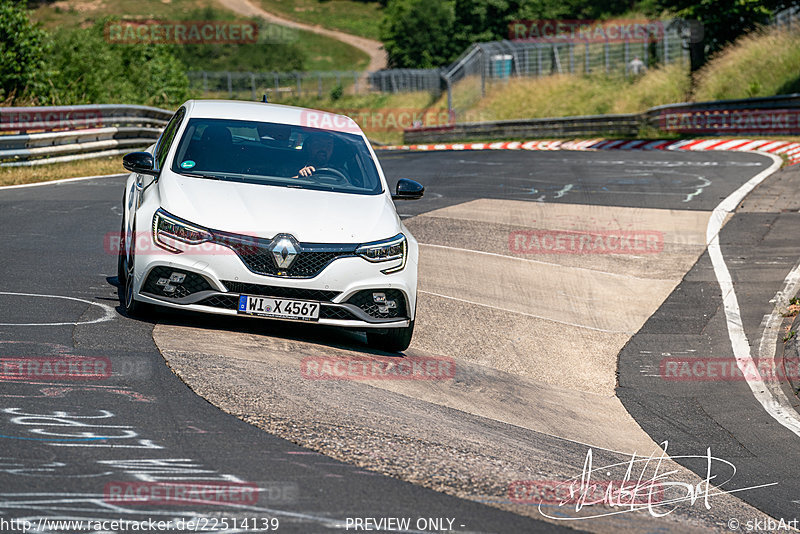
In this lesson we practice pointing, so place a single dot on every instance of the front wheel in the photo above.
(393, 340)
(132, 307)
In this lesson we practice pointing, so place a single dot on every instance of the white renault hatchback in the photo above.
(262, 210)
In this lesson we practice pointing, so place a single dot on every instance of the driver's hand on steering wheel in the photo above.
(307, 171)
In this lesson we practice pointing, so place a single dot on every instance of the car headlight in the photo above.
(166, 226)
(392, 249)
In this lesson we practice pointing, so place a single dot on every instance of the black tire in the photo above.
(121, 251)
(132, 307)
(393, 340)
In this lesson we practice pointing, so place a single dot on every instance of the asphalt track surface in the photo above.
(66, 443)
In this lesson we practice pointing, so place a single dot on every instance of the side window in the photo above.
(167, 137)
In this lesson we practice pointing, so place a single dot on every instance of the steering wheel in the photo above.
(336, 175)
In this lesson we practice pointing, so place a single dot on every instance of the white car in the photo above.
(262, 210)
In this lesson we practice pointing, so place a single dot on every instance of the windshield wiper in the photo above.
(193, 175)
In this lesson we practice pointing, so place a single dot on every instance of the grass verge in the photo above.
(58, 171)
(350, 16)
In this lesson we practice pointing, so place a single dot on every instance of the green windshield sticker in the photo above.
(188, 164)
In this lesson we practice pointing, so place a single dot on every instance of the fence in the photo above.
(39, 135)
(788, 18)
(492, 62)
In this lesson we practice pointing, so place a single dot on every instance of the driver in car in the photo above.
(318, 150)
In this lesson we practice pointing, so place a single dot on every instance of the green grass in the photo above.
(57, 171)
(297, 50)
(324, 53)
(759, 64)
(357, 17)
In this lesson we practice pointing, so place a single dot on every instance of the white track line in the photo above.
(108, 312)
(774, 402)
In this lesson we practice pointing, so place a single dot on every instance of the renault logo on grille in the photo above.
(284, 250)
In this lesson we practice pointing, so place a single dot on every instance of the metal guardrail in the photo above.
(38, 135)
(775, 115)
(615, 125)
(35, 136)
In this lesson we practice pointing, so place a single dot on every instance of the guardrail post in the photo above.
(605, 53)
(205, 82)
(355, 82)
(299, 84)
(230, 86)
(253, 85)
(319, 85)
(276, 78)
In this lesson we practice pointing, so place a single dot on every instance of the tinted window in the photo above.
(274, 154)
(167, 137)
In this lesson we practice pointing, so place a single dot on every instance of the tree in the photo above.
(418, 33)
(23, 48)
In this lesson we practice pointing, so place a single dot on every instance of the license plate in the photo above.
(301, 310)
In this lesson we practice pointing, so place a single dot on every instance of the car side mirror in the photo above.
(408, 190)
(139, 162)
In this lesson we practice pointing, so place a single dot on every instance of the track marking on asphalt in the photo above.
(539, 262)
(108, 312)
(527, 314)
(62, 181)
(773, 401)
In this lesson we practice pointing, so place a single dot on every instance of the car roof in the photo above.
(259, 111)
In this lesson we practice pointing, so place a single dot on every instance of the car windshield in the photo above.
(277, 155)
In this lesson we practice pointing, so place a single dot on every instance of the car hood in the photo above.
(264, 211)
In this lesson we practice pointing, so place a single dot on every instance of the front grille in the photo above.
(305, 265)
(366, 301)
(280, 292)
(330, 312)
(227, 302)
(192, 283)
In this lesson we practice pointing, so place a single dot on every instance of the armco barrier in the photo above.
(38, 135)
(776, 115)
(626, 125)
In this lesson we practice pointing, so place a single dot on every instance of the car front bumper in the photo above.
(224, 277)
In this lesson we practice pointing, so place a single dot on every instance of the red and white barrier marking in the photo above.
(790, 149)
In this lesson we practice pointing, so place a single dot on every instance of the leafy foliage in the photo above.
(87, 69)
(418, 33)
(415, 31)
(23, 48)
